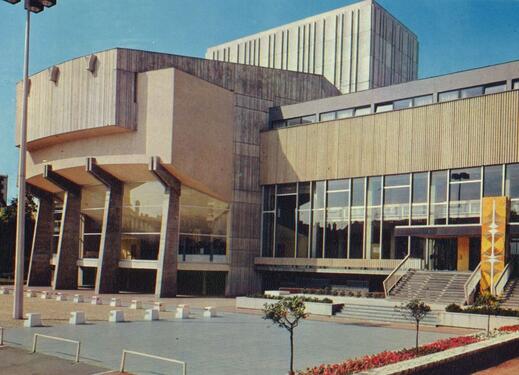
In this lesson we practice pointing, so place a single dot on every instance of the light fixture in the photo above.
(34, 6)
(48, 3)
(12, 1)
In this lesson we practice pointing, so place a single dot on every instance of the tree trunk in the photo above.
(417, 330)
(488, 324)
(291, 352)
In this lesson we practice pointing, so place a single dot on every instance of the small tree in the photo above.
(416, 311)
(489, 304)
(286, 313)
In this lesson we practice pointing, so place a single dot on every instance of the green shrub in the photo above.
(453, 307)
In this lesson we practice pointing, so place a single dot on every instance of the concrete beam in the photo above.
(166, 281)
(66, 273)
(110, 245)
(39, 266)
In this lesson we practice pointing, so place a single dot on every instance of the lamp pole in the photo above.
(31, 6)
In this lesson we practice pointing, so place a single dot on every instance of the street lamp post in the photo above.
(31, 6)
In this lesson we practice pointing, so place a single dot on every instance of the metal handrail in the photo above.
(387, 285)
(470, 285)
(35, 341)
(1, 336)
(503, 279)
(123, 360)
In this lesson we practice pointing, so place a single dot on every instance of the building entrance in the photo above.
(454, 254)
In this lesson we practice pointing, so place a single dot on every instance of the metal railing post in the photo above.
(123, 359)
(1, 335)
(34, 340)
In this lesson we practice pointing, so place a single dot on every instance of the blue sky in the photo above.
(453, 34)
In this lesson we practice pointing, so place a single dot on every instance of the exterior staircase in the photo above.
(441, 287)
(386, 313)
(511, 294)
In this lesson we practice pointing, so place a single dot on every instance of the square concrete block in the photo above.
(77, 317)
(209, 312)
(159, 306)
(185, 307)
(151, 314)
(115, 302)
(277, 293)
(30, 294)
(116, 316)
(61, 297)
(78, 298)
(96, 300)
(46, 295)
(136, 304)
(182, 313)
(33, 320)
(4, 291)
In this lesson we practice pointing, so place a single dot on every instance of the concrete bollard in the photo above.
(151, 314)
(159, 306)
(96, 300)
(4, 291)
(30, 294)
(78, 298)
(61, 297)
(116, 316)
(182, 313)
(46, 295)
(33, 320)
(185, 307)
(77, 317)
(209, 312)
(136, 304)
(115, 302)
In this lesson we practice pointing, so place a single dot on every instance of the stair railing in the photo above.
(394, 277)
(471, 285)
(499, 288)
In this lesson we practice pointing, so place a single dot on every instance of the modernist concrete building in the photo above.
(357, 47)
(145, 164)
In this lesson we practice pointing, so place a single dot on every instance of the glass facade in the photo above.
(357, 218)
(92, 212)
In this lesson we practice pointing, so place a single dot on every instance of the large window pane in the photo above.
(317, 233)
(357, 198)
(422, 100)
(304, 196)
(495, 88)
(438, 210)
(140, 246)
(402, 104)
(385, 107)
(361, 111)
(308, 119)
(471, 91)
(345, 113)
(466, 174)
(448, 95)
(269, 197)
(303, 233)
(374, 191)
(493, 181)
(338, 185)
(373, 233)
(327, 116)
(197, 244)
(318, 194)
(338, 199)
(396, 180)
(356, 238)
(512, 181)
(285, 226)
(268, 235)
(336, 236)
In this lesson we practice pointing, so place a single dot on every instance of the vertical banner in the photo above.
(494, 214)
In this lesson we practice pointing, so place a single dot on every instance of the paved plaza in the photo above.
(232, 343)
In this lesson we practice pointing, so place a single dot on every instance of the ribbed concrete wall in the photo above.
(357, 47)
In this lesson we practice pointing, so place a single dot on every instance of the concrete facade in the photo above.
(200, 119)
(357, 47)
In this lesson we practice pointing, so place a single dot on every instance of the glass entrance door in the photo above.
(444, 254)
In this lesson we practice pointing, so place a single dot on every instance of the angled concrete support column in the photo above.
(41, 253)
(66, 272)
(110, 246)
(166, 283)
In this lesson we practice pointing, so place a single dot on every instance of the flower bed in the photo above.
(335, 292)
(388, 357)
(496, 311)
(305, 299)
(513, 328)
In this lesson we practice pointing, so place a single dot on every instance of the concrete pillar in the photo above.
(65, 275)
(66, 272)
(107, 280)
(166, 281)
(41, 253)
